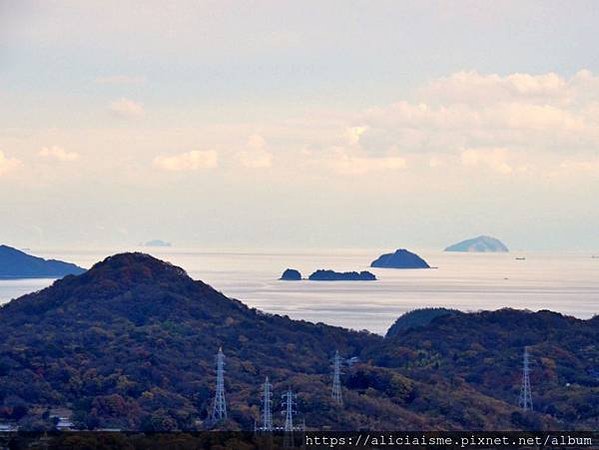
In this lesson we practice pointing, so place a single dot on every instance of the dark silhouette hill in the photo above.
(479, 244)
(291, 275)
(17, 264)
(131, 344)
(400, 259)
(331, 275)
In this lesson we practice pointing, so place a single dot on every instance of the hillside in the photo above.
(131, 344)
(484, 351)
(417, 318)
(17, 264)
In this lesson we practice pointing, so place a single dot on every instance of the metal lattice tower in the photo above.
(289, 411)
(525, 392)
(336, 391)
(219, 408)
(266, 406)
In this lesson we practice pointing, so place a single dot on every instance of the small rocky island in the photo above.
(16, 264)
(291, 275)
(331, 275)
(401, 259)
(484, 244)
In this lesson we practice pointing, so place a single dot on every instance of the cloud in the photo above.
(58, 153)
(255, 156)
(189, 161)
(435, 161)
(127, 108)
(471, 86)
(120, 79)
(8, 164)
(584, 166)
(495, 159)
(523, 113)
(354, 134)
(349, 162)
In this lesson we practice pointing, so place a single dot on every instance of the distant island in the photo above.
(157, 243)
(479, 244)
(331, 275)
(16, 264)
(291, 275)
(401, 259)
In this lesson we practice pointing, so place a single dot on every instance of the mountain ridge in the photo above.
(16, 264)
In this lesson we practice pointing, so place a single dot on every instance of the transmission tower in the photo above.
(336, 391)
(525, 392)
(289, 411)
(219, 409)
(266, 406)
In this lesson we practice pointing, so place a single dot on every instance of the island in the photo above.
(401, 259)
(483, 244)
(157, 243)
(15, 264)
(291, 275)
(331, 275)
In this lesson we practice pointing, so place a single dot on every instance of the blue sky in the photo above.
(290, 124)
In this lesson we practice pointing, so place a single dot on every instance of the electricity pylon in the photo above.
(525, 392)
(219, 408)
(266, 406)
(336, 391)
(289, 404)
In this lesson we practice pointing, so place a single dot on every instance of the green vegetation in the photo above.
(131, 343)
(417, 318)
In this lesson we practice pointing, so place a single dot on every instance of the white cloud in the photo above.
(473, 87)
(120, 79)
(189, 161)
(523, 113)
(125, 107)
(347, 162)
(255, 156)
(58, 153)
(495, 159)
(354, 134)
(435, 161)
(8, 164)
(584, 166)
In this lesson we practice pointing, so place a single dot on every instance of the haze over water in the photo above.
(566, 282)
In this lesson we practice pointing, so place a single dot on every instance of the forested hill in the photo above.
(131, 344)
(484, 351)
(132, 341)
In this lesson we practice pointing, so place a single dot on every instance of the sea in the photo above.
(564, 282)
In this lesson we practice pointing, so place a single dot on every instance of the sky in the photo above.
(299, 124)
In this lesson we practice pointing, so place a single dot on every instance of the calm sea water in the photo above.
(567, 282)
